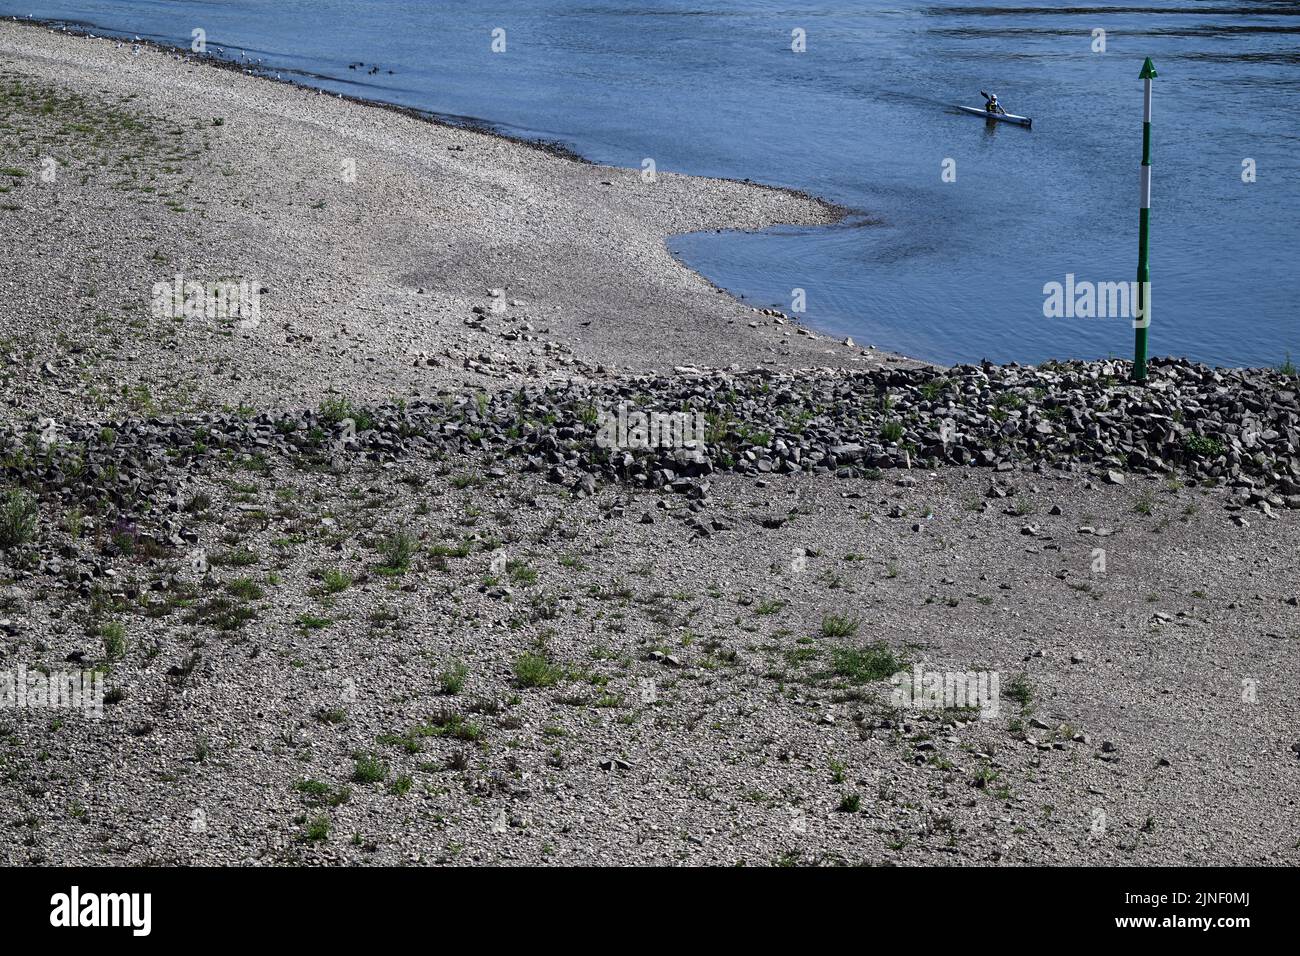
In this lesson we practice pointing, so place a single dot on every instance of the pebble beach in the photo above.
(366, 586)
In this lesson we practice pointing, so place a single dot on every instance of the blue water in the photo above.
(949, 271)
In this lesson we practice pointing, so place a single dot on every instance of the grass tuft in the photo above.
(861, 665)
(18, 518)
(840, 625)
(535, 670)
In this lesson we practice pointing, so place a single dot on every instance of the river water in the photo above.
(944, 267)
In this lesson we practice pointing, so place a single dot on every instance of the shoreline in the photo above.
(473, 124)
(590, 267)
(835, 212)
(453, 121)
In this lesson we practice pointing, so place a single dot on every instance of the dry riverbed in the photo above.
(373, 234)
(362, 591)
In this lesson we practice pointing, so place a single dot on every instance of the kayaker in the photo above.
(992, 104)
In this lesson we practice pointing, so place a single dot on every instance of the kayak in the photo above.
(1001, 117)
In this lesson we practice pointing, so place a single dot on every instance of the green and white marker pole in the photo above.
(1144, 232)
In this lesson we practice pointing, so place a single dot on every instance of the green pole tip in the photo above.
(1148, 70)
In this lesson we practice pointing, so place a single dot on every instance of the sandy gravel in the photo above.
(555, 678)
(364, 278)
(700, 663)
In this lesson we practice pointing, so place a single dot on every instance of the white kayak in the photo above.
(1000, 117)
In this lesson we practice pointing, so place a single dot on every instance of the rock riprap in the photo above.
(1235, 426)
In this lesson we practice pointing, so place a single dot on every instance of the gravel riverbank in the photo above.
(403, 569)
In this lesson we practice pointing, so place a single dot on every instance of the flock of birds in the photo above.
(249, 62)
